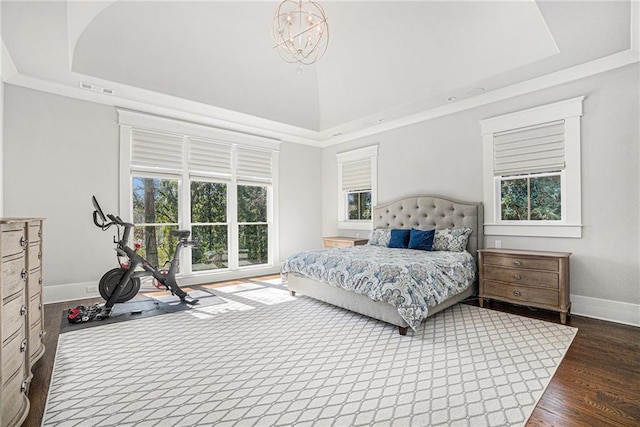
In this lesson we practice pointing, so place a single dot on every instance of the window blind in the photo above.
(254, 165)
(356, 175)
(209, 158)
(156, 150)
(532, 149)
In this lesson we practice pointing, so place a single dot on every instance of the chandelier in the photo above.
(300, 31)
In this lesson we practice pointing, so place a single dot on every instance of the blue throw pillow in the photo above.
(399, 238)
(421, 239)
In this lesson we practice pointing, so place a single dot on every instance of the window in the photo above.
(357, 189)
(532, 171)
(219, 185)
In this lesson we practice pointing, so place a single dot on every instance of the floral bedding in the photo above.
(410, 280)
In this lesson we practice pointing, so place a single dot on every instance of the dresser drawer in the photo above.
(13, 355)
(34, 282)
(544, 279)
(35, 232)
(14, 275)
(14, 401)
(522, 262)
(35, 310)
(14, 240)
(521, 294)
(13, 316)
(35, 339)
(34, 258)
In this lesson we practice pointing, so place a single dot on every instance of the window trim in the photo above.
(130, 120)
(371, 153)
(570, 226)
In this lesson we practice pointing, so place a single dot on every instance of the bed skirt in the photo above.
(360, 303)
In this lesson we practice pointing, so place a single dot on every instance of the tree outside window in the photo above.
(535, 197)
(253, 228)
(155, 214)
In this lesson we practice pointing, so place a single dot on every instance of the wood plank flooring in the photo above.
(597, 383)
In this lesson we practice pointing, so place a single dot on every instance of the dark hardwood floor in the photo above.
(597, 383)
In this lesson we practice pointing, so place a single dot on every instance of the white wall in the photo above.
(59, 151)
(444, 156)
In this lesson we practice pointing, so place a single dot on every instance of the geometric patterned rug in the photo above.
(264, 358)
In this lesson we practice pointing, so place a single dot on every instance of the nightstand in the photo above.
(342, 242)
(531, 278)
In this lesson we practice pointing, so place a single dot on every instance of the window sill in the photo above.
(355, 225)
(573, 231)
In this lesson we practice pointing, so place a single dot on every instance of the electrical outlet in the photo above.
(498, 243)
(91, 289)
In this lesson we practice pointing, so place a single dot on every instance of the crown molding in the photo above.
(182, 109)
(177, 108)
(567, 75)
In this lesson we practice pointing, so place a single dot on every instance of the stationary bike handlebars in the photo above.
(123, 283)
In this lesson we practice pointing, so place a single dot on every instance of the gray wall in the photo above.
(60, 151)
(444, 156)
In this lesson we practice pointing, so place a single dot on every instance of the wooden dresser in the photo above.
(531, 278)
(21, 311)
(342, 242)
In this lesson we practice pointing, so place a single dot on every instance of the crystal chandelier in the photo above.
(300, 31)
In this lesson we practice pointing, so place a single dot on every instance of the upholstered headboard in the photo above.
(429, 212)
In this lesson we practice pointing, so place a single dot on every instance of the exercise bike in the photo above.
(123, 283)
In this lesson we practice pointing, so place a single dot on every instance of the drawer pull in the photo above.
(23, 310)
(516, 262)
(39, 255)
(23, 387)
(41, 334)
(23, 241)
(39, 233)
(516, 293)
(516, 276)
(24, 274)
(40, 306)
(23, 347)
(40, 281)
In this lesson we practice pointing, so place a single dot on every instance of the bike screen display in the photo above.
(98, 209)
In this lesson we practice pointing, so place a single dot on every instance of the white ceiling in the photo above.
(385, 60)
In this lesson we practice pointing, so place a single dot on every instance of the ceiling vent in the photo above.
(96, 88)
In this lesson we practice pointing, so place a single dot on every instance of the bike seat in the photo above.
(180, 234)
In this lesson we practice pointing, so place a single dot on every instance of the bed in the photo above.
(420, 212)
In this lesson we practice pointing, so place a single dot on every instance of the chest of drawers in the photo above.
(342, 242)
(532, 278)
(21, 311)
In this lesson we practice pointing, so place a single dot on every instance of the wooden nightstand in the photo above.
(532, 278)
(342, 242)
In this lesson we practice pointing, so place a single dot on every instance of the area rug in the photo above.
(302, 362)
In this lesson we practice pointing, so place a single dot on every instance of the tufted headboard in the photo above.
(429, 212)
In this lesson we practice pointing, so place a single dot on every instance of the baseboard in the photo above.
(603, 309)
(70, 292)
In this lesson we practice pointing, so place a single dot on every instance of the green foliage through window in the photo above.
(253, 231)
(531, 198)
(359, 205)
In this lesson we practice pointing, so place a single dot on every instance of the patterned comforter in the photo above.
(411, 280)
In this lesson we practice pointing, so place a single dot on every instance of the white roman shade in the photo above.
(208, 158)
(356, 175)
(254, 165)
(152, 150)
(532, 149)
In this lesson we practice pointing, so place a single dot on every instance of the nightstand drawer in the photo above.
(336, 244)
(522, 277)
(522, 262)
(520, 294)
(342, 242)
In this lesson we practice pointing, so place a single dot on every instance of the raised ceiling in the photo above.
(385, 61)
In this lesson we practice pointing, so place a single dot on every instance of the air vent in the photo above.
(96, 88)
